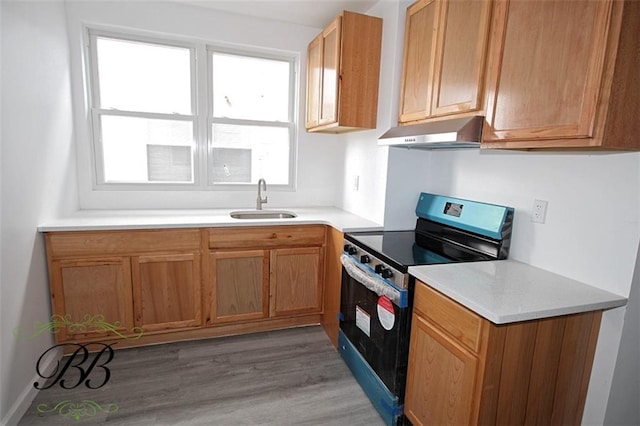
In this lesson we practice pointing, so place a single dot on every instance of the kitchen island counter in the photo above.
(507, 291)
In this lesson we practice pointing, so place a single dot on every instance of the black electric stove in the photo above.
(377, 291)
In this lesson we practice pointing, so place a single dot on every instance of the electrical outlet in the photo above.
(539, 211)
(356, 182)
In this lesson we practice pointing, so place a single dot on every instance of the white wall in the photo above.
(319, 174)
(37, 179)
(3, 403)
(623, 408)
(592, 228)
(362, 157)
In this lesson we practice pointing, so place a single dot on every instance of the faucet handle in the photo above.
(262, 185)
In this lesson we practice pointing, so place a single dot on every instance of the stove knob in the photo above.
(379, 268)
(365, 259)
(387, 273)
(352, 250)
(347, 247)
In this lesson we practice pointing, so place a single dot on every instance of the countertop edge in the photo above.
(109, 220)
(577, 309)
(540, 313)
(600, 299)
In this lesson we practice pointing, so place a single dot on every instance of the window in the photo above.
(161, 119)
(251, 124)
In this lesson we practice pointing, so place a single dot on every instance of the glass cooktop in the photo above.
(398, 247)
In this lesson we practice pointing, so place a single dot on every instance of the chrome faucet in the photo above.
(262, 186)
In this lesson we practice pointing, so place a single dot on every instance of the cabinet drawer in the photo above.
(462, 324)
(104, 243)
(266, 237)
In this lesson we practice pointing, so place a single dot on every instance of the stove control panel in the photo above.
(373, 264)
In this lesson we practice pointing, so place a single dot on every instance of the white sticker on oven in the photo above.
(363, 320)
(386, 313)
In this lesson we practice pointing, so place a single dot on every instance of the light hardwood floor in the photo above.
(286, 377)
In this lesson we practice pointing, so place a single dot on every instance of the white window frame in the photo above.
(290, 124)
(201, 117)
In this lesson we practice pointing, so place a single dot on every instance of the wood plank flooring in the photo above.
(285, 377)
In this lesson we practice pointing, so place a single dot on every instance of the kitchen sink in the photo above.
(262, 214)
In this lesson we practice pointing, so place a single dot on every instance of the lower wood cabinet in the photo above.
(296, 281)
(239, 281)
(464, 369)
(89, 292)
(166, 291)
(118, 284)
(260, 273)
(441, 384)
(152, 286)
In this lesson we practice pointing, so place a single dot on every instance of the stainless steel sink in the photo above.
(262, 214)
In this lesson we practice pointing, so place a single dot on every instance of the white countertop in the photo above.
(501, 291)
(507, 291)
(91, 220)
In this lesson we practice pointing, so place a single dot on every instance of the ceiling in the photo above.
(313, 13)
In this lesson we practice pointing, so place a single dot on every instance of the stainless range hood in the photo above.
(450, 133)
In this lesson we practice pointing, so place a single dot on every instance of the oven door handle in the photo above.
(373, 282)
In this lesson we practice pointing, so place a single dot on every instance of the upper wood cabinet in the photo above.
(314, 82)
(444, 58)
(563, 74)
(343, 68)
(330, 57)
(465, 370)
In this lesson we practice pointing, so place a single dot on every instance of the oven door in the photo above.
(375, 321)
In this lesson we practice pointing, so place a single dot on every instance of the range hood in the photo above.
(450, 133)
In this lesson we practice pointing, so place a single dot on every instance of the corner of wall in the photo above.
(363, 157)
(622, 406)
(37, 136)
(29, 393)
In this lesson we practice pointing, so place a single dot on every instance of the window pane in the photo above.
(250, 88)
(146, 150)
(244, 154)
(135, 76)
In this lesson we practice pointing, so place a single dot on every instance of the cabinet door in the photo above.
(330, 72)
(239, 282)
(296, 281)
(167, 291)
(418, 61)
(461, 54)
(90, 296)
(545, 69)
(440, 378)
(314, 74)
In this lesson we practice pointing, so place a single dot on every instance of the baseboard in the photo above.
(22, 404)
